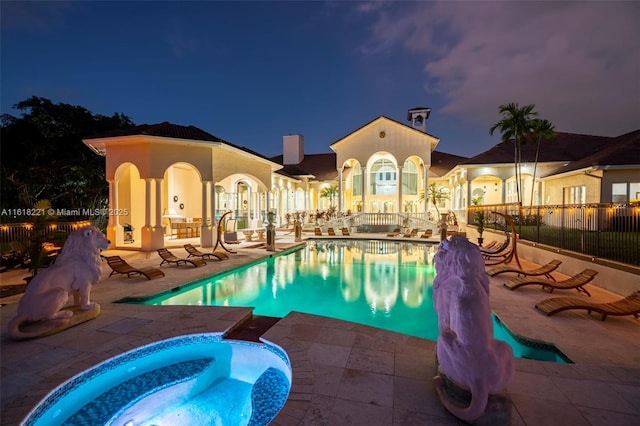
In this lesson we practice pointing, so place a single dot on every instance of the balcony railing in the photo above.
(607, 231)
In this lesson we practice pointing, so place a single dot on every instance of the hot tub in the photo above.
(187, 380)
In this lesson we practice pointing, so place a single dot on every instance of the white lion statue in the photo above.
(74, 272)
(467, 353)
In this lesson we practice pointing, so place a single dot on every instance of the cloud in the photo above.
(35, 16)
(579, 62)
(180, 44)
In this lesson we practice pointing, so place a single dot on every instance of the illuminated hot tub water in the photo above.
(190, 380)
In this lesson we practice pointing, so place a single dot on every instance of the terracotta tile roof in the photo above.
(164, 129)
(441, 163)
(565, 147)
(170, 130)
(321, 166)
(623, 150)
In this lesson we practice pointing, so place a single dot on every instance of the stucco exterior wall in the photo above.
(400, 141)
(618, 176)
(553, 188)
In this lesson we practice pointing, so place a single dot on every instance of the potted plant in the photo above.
(479, 218)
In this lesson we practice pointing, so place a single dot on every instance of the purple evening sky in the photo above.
(251, 72)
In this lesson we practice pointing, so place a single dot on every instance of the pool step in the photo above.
(251, 329)
(115, 400)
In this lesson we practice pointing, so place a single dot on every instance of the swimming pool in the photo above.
(192, 379)
(384, 284)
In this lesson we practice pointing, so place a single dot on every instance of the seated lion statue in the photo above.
(74, 272)
(467, 352)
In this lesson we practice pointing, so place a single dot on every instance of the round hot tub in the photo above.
(191, 379)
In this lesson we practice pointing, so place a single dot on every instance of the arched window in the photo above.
(383, 178)
(410, 178)
(356, 183)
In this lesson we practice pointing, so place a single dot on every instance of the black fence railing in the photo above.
(607, 231)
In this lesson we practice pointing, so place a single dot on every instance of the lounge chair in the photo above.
(629, 305)
(575, 282)
(394, 233)
(489, 246)
(194, 252)
(428, 233)
(542, 270)
(410, 234)
(317, 232)
(120, 266)
(19, 253)
(171, 259)
(496, 249)
(331, 232)
(345, 232)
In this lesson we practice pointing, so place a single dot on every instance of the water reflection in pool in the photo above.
(384, 284)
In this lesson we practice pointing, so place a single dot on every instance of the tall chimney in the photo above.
(292, 149)
(418, 118)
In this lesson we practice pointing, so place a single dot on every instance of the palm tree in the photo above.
(331, 192)
(516, 124)
(435, 194)
(542, 129)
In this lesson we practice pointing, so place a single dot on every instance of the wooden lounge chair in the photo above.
(394, 233)
(428, 233)
(317, 232)
(509, 250)
(171, 259)
(542, 270)
(194, 252)
(629, 305)
(487, 247)
(120, 266)
(496, 248)
(345, 232)
(331, 231)
(491, 247)
(575, 282)
(411, 233)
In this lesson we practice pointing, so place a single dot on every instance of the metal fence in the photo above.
(607, 231)
(22, 232)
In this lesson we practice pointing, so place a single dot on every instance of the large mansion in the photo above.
(163, 174)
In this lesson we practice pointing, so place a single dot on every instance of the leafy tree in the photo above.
(331, 192)
(516, 124)
(542, 129)
(43, 156)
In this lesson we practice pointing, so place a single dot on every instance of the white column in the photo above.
(400, 189)
(207, 228)
(425, 180)
(204, 203)
(340, 199)
(158, 200)
(157, 231)
(146, 237)
(365, 188)
(115, 233)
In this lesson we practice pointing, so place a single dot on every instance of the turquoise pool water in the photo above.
(190, 380)
(384, 284)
